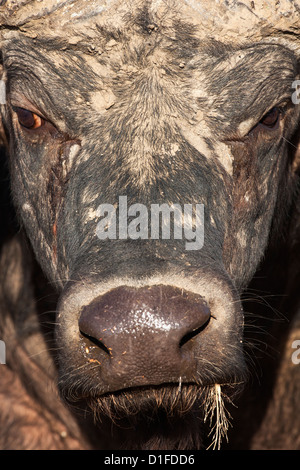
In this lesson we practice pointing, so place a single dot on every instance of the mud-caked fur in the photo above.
(146, 107)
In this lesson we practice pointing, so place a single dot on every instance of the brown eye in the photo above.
(29, 119)
(271, 118)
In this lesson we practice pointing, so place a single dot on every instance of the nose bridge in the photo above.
(116, 213)
(133, 239)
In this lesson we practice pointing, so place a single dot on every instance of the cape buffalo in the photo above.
(149, 280)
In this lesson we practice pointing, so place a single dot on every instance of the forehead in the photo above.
(225, 19)
(204, 61)
(162, 57)
(184, 29)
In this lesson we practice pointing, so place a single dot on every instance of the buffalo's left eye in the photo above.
(271, 119)
(29, 119)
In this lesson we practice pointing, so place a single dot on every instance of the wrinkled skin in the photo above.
(145, 104)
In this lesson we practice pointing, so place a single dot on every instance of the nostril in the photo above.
(90, 341)
(192, 334)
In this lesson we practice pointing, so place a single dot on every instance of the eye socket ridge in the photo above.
(29, 119)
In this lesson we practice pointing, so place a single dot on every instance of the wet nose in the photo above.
(144, 336)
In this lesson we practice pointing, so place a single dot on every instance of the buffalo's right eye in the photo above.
(29, 119)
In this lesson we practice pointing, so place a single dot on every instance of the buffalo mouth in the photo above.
(139, 363)
(166, 417)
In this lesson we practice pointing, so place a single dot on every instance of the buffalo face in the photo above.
(148, 331)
